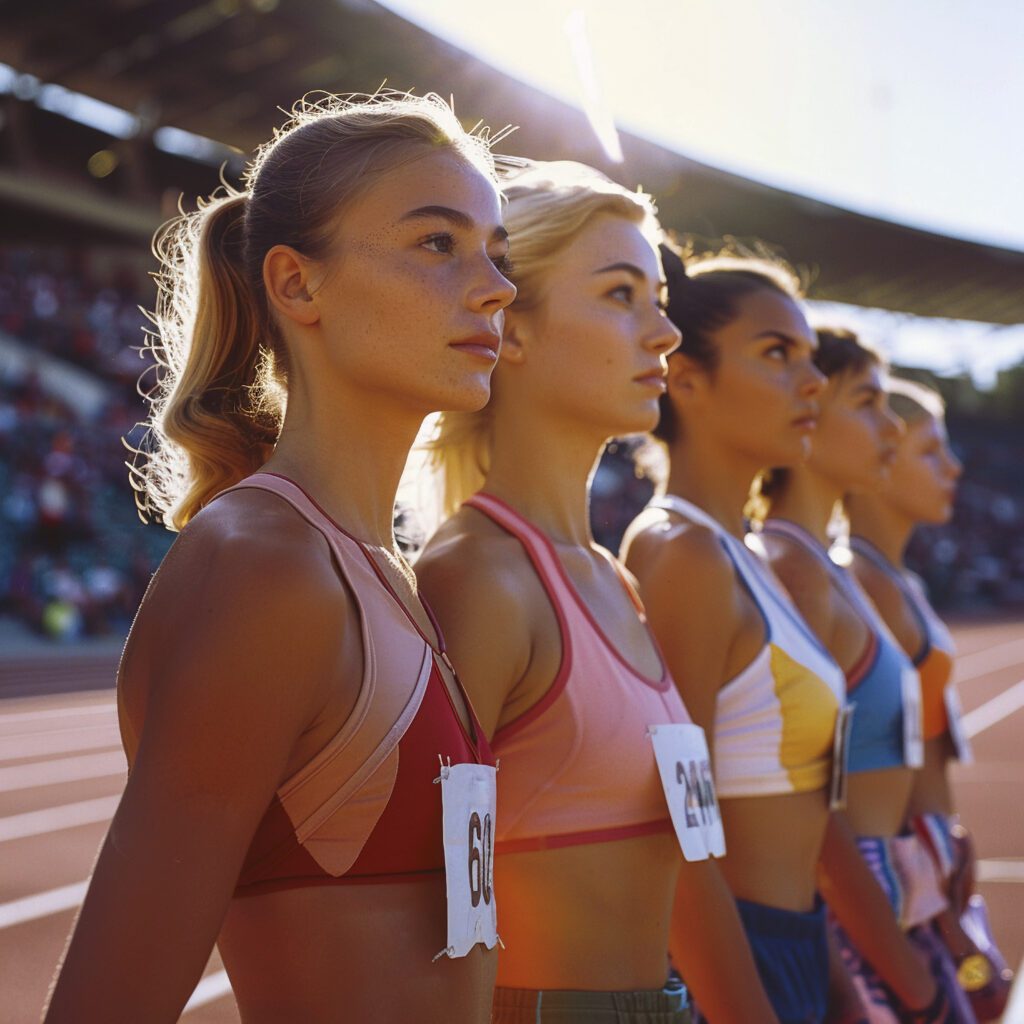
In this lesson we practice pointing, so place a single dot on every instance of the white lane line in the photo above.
(65, 769)
(994, 710)
(1014, 1012)
(67, 897)
(991, 659)
(1008, 869)
(68, 711)
(59, 741)
(42, 904)
(54, 819)
(212, 987)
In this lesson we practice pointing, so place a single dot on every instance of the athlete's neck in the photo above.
(809, 500)
(348, 451)
(874, 519)
(717, 482)
(543, 470)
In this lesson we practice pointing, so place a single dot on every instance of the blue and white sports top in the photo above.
(883, 684)
(775, 721)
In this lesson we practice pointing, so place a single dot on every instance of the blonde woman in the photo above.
(920, 491)
(852, 453)
(553, 645)
(284, 695)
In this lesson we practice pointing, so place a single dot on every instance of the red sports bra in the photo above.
(366, 807)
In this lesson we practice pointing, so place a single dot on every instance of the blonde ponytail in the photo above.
(221, 395)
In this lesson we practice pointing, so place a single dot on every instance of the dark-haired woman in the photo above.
(284, 696)
(852, 453)
(920, 491)
(743, 394)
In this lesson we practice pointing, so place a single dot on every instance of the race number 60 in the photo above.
(481, 859)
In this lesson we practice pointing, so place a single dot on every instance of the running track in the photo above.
(61, 770)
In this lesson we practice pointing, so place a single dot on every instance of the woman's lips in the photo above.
(656, 380)
(484, 345)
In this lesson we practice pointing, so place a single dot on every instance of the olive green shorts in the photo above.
(669, 1005)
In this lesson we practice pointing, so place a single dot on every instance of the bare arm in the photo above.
(480, 589)
(235, 674)
(689, 590)
(857, 900)
(708, 942)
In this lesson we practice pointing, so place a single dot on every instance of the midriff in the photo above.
(773, 844)
(301, 953)
(931, 787)
(877, 801)
(592, 916)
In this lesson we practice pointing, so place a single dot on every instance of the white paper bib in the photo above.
(684, 765)
(913, 732)
(468, 801)
(955, 714)
(841, 758)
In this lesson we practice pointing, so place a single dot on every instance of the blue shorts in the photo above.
(791, 952)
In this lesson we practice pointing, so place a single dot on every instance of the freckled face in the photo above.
(411, 299)
(599, 336)
(857, 432)
(761, 399)
(922, 483)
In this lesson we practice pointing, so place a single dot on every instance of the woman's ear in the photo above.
(687, 379)
(515, 337)
(287, 279)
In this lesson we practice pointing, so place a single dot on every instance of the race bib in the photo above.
(955, 715)
(841, 758)
(468, 797)
(684, 765)
(913, 739)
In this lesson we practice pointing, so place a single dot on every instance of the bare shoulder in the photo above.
(891, 601)
(247, 596)
(471, 559)
(480, 583)
(687, 557)
(880, 587)
(805, 578)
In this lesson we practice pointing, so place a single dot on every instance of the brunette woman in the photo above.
(920, 491)
(743, 394)
(852, 453)
(284, 695)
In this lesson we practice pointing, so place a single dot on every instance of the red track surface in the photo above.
(61, 772)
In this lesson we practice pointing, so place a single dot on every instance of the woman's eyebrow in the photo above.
(630, 268)
(456, 217)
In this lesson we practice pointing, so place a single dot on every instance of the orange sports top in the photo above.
(934, 661)
(578, 767)
(366, 808)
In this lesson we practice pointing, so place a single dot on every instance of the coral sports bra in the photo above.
(882, 681)
(775, 720)
(934, 661)
(578, 767)
(366, 808)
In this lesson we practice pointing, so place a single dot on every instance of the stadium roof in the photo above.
(220, 68)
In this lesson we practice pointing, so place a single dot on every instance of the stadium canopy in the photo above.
(219, 69)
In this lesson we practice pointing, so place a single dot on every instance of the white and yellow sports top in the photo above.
(775, 722)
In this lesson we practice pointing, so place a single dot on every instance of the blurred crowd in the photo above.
(74, 556)
(75, 559)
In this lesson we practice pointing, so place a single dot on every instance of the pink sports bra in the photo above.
(365, 808)
(578, 767)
